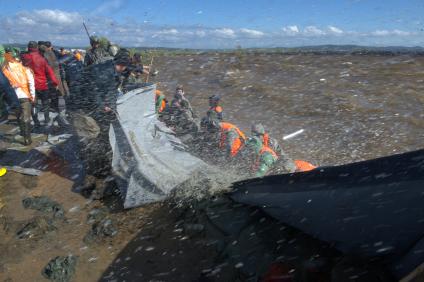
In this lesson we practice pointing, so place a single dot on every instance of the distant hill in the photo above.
(318, 49)
(355, 49)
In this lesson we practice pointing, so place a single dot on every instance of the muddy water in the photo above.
(351, 107)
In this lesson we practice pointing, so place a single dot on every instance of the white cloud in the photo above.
(401, 32)
(313, 31)
(108, 6)
(49, 17)
(335, 30)
(171, 31)
(396, 32)
(291, 30)
(252, 33)
(200, 33)
(27, 21)
(380, 32)
(224, 32)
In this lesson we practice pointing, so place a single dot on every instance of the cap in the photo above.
(214, 98)
(122, 57)
(32, 44)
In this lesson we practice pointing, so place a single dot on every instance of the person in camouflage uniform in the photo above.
(284, 164)
(264, 157)
(96, 54)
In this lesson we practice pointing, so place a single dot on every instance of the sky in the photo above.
(216, 23)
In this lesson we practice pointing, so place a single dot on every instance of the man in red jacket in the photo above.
(43, 74)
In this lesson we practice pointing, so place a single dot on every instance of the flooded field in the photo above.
(352, 108)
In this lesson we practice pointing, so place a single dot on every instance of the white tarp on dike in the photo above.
(148, 160)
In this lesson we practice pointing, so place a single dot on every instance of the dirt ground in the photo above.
(161, 249)
(351, 107)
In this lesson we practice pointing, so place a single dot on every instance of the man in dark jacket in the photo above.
(47, 51)
(74, 71)
(57, 96)
(7, 96)
(43, 74)
(97, 98)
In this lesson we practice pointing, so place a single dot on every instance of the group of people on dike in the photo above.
(43, 79)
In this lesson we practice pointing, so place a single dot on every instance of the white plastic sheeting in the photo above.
(148, 160)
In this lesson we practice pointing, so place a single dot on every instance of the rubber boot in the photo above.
(27, 135)
(36, 120)
(61, 119)
(21, 128)
(46, 118)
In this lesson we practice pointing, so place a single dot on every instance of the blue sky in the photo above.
(217, 24)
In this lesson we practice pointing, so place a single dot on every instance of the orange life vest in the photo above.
(302, 166)
(269, 150)
(263, 150)
(238, 143)
(17, 76)
(162, 106)
(162, 103)
(217, 109)
(266, 139)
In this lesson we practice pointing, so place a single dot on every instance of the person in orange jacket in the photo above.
(258, 130)
(290, 165)
(230, 137)
(22, 81)
(214, 111)
(285, 164)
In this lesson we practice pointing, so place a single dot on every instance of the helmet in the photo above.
(214, 98)
(113, 49)
(258, 129)
(14, 51)
(94, 40)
